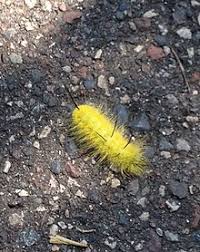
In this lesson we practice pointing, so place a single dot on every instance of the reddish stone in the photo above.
(196, 217)
(143, 23)
(71, 15)
(83, 72)
(195, 77)
(72, 170)
(155, 52)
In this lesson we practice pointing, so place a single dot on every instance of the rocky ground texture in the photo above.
(130, 56)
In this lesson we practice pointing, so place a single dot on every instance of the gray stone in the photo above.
(138, 247)
(90, 83)
(67, 69)
(159, 231)
(171, 236)
(16, 219)
(30, 3)
(36, 75)
(144, 216)
(165, 144)
(70, 146)
(45, 132)
(161, 40)
(122, 114)
(9, 33)
(165, 154)
(172, 99)
(29, 237)
(110, 242)
(184, 33)
(180, 15)
(173, 205)
(102, 83)
(141, 122)
(133, 187)
(132, 26)
(16, 58)
(179, 189)
(182, 145)
(55, 167)
(142, 202)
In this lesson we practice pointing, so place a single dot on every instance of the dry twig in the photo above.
(181, 68)
(57, 239)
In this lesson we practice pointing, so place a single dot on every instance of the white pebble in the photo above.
(7, 166)
(36, 144)
(184, 33)
(150, 14)
(53, 230)
(115, 183)
(45, 132)
(98, 54)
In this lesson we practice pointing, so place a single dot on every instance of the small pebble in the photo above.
(172, 205)
(111, 80)
(22, 193)
(45, 132)
(29, 237)
(190, 52)
(98, 54)
(138, 48)
(132, 26)
(195, 3)
(80, 194)
(103, 84)
(192, 119)
(150, 14)
(182, 145)
(55, 248)
(165, 154)
(125, 99)
(7, 166)
(16, 58)
(141, 122)
(142, 202)
(138, 247)
(36, 144)
(62, 224)
(171, 236)
(55, 167)
(133, 187)
(179, 189)
(144, 216)
(122, 114)
(110, 243)
(16, 219)
(115, 183)
(53, 230)
(67, 69)
(159, 231)
(184, 33)
(162, 189)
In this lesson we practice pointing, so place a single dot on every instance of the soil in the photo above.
(119, 54)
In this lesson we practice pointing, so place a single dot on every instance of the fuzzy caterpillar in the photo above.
(98, 132)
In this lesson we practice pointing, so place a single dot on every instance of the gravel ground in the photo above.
(140, 58)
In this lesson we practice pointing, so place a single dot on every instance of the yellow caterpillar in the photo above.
(98, 132)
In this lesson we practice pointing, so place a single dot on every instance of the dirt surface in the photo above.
(131, 57)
